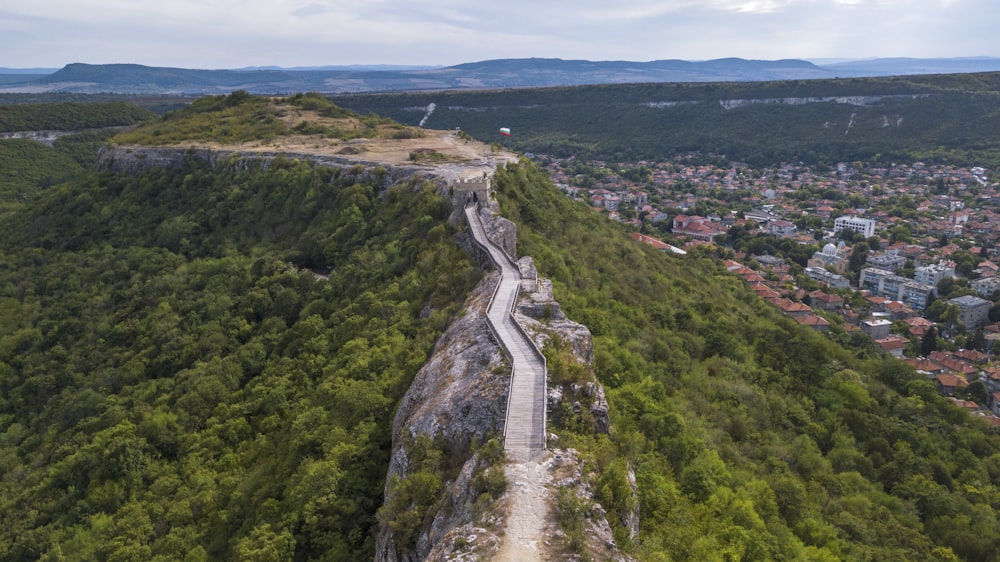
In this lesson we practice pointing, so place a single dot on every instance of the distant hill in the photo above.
(491, 74)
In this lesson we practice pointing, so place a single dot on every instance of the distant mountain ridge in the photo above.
(489, 74)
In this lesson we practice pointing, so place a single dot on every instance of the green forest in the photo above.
(949, 118)
(28, 167)
(177, 384)
(752, 438)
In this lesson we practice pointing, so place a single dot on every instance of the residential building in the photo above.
(824, 277)
(985, 286)
(948, 384)
(781, 228)
(877, 329)
(934, 273)
(891, 260)
(893, 345)
(973, 311)
(696, 228)
(894, 287)
(864, 227)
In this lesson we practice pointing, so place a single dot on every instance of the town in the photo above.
(900, 258)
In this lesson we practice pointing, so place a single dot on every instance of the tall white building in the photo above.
(865, 227)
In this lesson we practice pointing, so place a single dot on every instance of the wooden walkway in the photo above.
(524, 430)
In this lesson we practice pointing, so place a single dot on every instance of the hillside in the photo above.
(752, 438)
(200, 361)
(945, 117)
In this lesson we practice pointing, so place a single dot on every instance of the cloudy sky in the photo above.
(238, 33)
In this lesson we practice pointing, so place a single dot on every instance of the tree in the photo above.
(978, 340)
(928, 344)
(859, 255)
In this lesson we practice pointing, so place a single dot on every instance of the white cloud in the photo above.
(218, 33)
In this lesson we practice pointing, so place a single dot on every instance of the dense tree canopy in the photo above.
(174, 383)
(752, 437)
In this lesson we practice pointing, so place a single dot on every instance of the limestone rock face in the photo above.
(133, 160)
(542, 316)
(501, 231)
(459, 395)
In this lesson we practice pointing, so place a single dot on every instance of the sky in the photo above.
(241, 33)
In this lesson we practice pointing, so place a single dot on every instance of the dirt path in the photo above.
(528, 518)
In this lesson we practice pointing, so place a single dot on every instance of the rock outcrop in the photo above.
(457, 399)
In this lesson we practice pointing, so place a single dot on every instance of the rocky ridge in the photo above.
(457, 402)
(449, 403)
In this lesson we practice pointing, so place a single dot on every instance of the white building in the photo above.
(824, 277)
(934, 273)
(864, 227)
(884, 283)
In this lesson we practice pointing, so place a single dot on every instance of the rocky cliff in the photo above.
(457, 401)
(134, 159)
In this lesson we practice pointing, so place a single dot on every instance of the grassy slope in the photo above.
(753, 438)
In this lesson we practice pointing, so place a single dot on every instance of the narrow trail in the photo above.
(528, 462)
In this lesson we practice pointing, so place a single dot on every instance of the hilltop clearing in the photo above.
(311, 125)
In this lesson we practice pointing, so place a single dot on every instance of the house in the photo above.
(696, 228)
(926, 367)
(996, 403)
(876, 328)
(967, 405)
(817, 323)
(781, 228)
(792, 308)
(876, 303)
(991, 376)
(952, 363)
(898, 310)
(919, 326)
(826, 301)
(971, 355)
(948, 384)
(893, 345)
